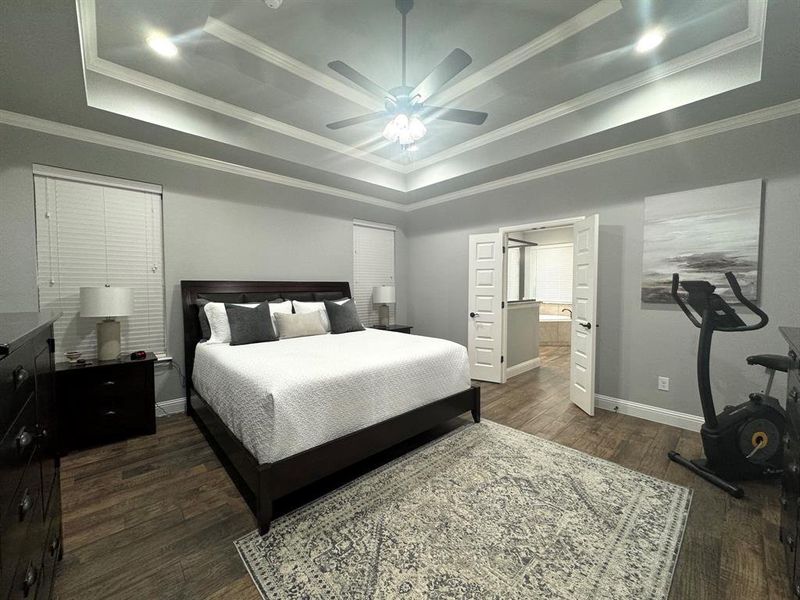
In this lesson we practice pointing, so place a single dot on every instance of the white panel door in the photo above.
(584, 326)
(485, 322)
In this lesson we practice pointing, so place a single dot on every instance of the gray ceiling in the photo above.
(43, 76)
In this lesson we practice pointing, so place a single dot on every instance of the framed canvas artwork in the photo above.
(701, 234)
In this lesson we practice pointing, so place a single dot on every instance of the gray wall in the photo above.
(216, 226)
(636, 343)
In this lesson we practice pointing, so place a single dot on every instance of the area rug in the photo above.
(487, 512)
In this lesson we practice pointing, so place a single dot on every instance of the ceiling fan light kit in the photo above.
(405, 106)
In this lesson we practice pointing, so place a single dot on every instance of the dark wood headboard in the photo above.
(244, 291)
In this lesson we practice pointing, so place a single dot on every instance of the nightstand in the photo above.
(105, 401)
(397, 328)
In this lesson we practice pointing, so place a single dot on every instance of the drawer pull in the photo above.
(793, 395)
(25, 505)
(24, 439)
(108, 383)
(794, 468)
(787, 441)
(54, 546)
(20, 375)
(29, 580)
(784, 502)
(790, 542)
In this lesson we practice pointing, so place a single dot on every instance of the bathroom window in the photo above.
(543, 273)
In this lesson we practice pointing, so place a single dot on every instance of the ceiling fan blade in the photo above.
(456, 61)
(471, 117)
(356, 120)
(360, 80)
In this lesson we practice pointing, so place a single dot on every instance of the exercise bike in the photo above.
(743, 441)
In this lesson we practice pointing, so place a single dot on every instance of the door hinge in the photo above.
(502, 304)
(51, 345)
(504, 249)
(502, 359)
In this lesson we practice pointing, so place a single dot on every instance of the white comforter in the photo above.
(280, 398)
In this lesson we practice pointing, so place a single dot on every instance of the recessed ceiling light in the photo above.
(162, 44)
(649, 40)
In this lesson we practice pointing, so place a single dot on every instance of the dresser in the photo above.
(790, 492)
(30, 493)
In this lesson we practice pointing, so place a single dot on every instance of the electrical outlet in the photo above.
(663, 384)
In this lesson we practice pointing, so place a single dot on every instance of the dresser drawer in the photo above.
(16, 449)
(52, 548)
(28, 577)
(16, 383)
(21, 528)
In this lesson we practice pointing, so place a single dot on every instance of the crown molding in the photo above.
(583, 20)
(259, 49)
(756, 117)
(120, 143)
(752, 34)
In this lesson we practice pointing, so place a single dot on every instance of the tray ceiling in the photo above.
(550, 75)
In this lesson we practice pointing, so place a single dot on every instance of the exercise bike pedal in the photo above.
(699, 468)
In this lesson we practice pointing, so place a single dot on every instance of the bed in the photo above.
(284, 414)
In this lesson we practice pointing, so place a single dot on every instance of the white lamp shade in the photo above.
(383, 294)
(106, 301)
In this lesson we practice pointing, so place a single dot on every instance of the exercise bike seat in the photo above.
(776, 362)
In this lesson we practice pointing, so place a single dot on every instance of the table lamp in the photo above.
(383, 295)
(107, 302)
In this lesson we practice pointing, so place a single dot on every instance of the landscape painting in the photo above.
(701, 234)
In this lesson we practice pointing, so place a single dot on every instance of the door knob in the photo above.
(585, 325)
(473, 314)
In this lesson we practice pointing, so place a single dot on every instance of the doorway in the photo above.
(518, 280)
(539, 281)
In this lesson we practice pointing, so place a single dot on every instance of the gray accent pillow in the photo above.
(201, 314)
(343, 317)
(298, 325)
(250, 325)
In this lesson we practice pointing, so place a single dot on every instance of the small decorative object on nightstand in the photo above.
(397, 328)
(105, 401)
(383, 295)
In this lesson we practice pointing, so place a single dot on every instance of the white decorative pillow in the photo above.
(302, 324)
(284, 307)
(218, 321)
(308, 307)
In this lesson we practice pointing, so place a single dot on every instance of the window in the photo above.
(551, 273)
(373, 264)
(92, 231)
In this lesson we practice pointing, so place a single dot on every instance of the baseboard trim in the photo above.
(175, 406)
(522, 367)
(650, 413)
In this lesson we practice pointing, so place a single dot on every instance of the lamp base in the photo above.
(108, 346)
(383, 315)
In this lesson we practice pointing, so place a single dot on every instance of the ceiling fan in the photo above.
(404, 104)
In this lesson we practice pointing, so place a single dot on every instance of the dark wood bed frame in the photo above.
(269, 481)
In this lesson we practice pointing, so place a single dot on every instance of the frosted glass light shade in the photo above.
(383, 294)
(106, 301)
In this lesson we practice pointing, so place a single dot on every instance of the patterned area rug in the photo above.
(486, 512)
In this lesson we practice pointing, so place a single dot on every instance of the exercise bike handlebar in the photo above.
(679, 301)
(737, 292)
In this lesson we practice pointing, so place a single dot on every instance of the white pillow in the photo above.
(218, 318)
(284, 307)
(218, 321)
(308, 307)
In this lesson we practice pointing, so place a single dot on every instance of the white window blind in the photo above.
(91, 234)
(373, 264)
(552, 267)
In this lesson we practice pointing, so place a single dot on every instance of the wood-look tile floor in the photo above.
(155, 517)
